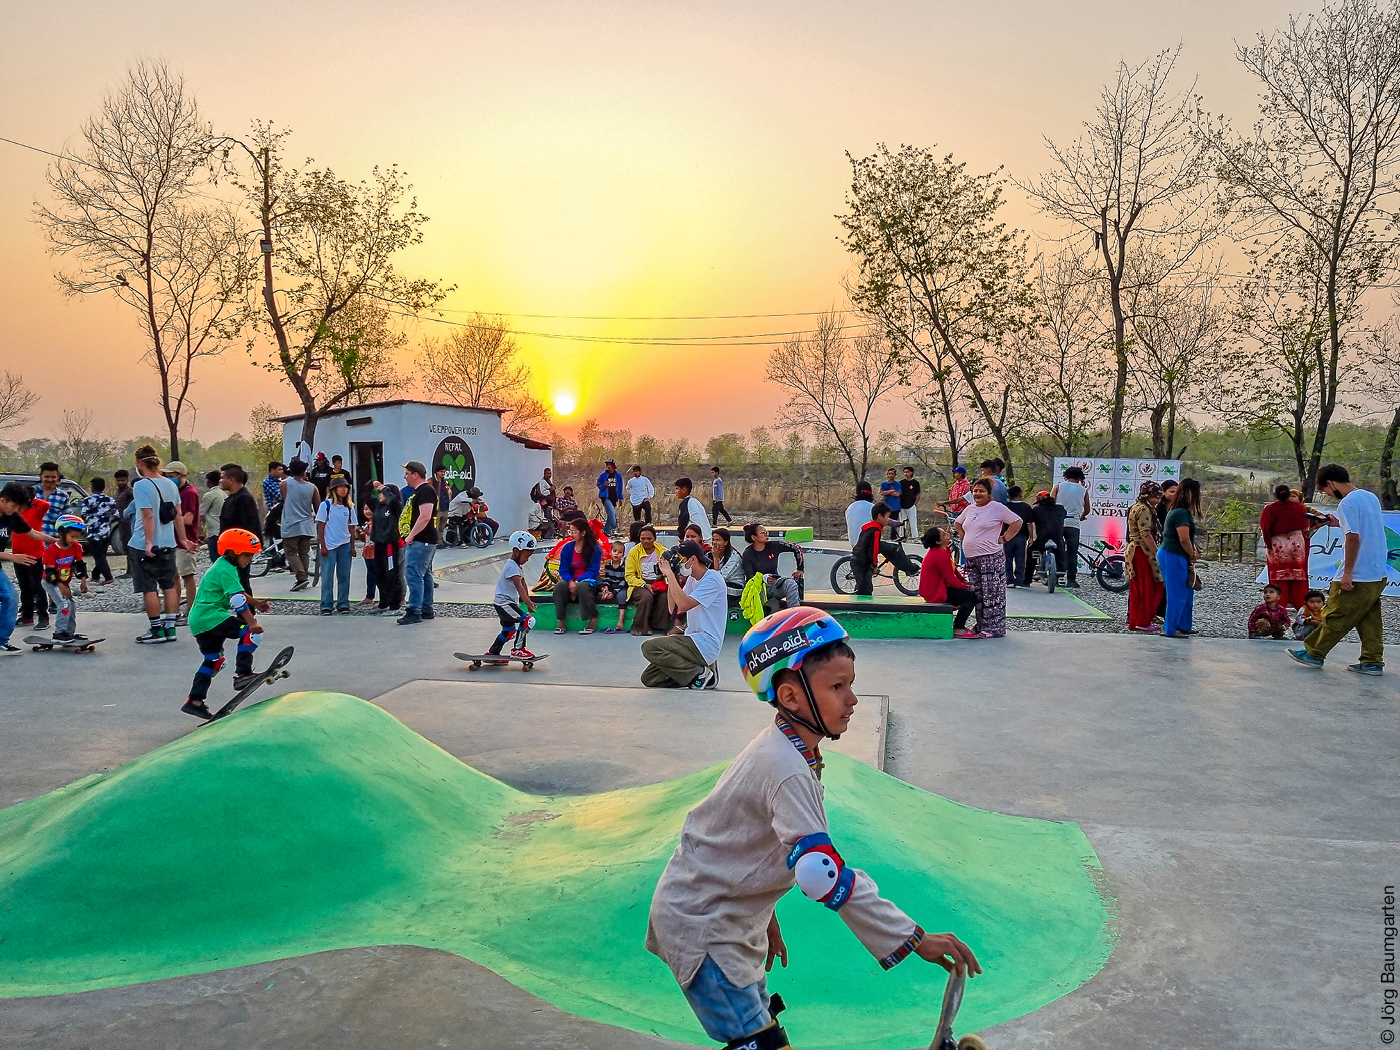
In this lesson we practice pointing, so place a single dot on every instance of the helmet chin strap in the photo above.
(816, 725)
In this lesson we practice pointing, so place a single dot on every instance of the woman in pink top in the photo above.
(984, 527)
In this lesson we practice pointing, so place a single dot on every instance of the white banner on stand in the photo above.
(1113, 488)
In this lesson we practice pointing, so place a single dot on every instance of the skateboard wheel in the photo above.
(38, 648)
(474, 665)
(527, 666)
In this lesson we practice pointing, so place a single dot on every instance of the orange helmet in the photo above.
(238, 541)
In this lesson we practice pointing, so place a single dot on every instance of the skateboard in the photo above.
(943, 1038)
(275, 670)
(475, 660)
(40, 643)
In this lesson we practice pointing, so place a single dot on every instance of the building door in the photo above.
(366, 466)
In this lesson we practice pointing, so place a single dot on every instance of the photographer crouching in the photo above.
(688, 660)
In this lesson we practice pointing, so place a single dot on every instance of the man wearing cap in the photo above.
(185, 559)
(956, 502)
(610, 492)
(420, 544)
(688, 660)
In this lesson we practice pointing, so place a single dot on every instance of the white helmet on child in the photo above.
(522, 541)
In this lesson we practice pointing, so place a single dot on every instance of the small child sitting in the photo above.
(1310, 615)
(1270, 618)
(613, 586)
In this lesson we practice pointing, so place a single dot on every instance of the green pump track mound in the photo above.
(316, 821)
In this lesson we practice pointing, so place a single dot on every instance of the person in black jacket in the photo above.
(761, 558)
(240, 511)
(1049, 521)
(869, 548)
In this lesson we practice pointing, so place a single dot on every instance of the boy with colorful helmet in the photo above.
(223, 609)
(62, 561)
(761, 831)
(511, 594)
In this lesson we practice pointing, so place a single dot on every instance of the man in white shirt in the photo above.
(691, 511)
(640, 493)
(858, 513)
(1355, 597)
(688, 660)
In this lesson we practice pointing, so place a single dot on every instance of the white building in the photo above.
(378, 438)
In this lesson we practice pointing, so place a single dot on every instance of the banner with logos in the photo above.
(1113, 487)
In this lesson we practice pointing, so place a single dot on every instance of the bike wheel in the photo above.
(480, 535)
(315, 563)
(1111, 576)
(262, 561)
(1052, 572)
(905, 583)
(843, 577)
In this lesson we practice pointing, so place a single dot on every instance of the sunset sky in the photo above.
(576, 159)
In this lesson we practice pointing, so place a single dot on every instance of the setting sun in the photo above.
(565, 404)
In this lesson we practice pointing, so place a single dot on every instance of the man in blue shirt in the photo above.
(610, 492)
(889, 495)
(272, 485)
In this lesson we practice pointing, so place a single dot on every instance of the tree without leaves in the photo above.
(1313, 179)
(1135, 177)
(936, 271)
(1063, 370)
(125, 214)
(1180, 324)
(479, 366)
(79, 447)
(16, 401)
(1280, 374)
(834, 384)
(329, 250)
(1382, 363)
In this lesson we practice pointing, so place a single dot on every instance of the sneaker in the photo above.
(198, 708)
(522, 654)
(706, 679)
(1375, 669)
(182, 621)
(10, 650)
(1072, 583)
(342, 612)
(41, 625)
(411, 616)
(152, 636)
(1304, 657)
(169, 633)
(389, 612)
(57, 637)
(427, 614)
(301, 585)
(327, 612)
(27, 621)
(241, 680)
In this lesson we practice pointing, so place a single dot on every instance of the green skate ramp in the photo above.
(317, 821)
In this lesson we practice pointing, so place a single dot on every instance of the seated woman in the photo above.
(646, 585)
(729, 564)
(579, 563)
(940, 583)
(761, 559)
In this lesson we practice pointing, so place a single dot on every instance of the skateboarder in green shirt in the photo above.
(222, 610)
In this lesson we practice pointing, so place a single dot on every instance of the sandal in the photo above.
(561, 630)
(586, 630)
(612, 630)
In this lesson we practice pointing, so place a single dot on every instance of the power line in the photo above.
(640, 317)
(751, 339)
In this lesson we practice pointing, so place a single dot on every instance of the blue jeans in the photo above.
(725, 1012)
(610, 510)
(335, 569)
(1015, 549)
(418, 567)
(9, 606)
(1176, 574)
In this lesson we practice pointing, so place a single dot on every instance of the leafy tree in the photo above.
(1382, 362)
(1314, 182)
(726, 449)
(331, 287)
(265, 436)
(1136, 177)
(618, 445)
(794, 450)
(126, 213)
(936, 271)
(834, 386)
(648, 449)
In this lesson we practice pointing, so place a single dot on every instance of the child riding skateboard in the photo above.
(761, 831)
(222, 610)
(511, 594)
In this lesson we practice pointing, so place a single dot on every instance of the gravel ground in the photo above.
(1228, 597)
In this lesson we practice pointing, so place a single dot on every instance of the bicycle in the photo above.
(272, 558)
(1106, 565)
(843, 577)
(1047, 565)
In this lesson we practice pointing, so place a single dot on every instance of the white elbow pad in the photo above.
(820, 872)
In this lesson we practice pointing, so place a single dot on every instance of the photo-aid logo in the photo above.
(773, 650)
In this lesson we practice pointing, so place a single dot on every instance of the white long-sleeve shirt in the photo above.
(639, 490)
(720, 886)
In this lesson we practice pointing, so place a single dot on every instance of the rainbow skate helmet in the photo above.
(69, 521)
(780, 641)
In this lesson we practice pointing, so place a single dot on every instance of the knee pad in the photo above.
(771, 1038)
(213, 664)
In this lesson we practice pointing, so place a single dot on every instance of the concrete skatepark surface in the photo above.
(1242, 808)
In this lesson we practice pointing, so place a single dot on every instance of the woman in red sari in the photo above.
(1284, 524)
(1145, 587)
